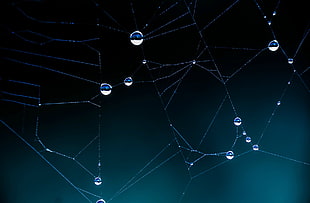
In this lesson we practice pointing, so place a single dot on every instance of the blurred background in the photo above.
(45, 42)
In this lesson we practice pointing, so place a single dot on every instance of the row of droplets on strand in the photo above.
(229, 154)
(237, 122)
(136, 38)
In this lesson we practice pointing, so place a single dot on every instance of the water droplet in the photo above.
(144, 61)
(194, 62)
(97, 181)
(274, 13)
(273, 45)
(237, 121)
(255, 147)
(128, 81)
(136, 38)
(248, 139)
(100, 201)
(105, 89)
(290, 61)
(269, 22)
(243, 133)
(278, 103)
(230, 155)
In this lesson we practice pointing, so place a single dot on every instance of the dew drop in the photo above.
(97, 181)
(248, 139)
(136, 38)
(255, 147)
(290, 61)
(230, 155)
(100, 201)
(237, 121)
(105, 89)
(273, 45)
(128, 81)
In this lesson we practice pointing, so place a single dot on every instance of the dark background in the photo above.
(134, 124)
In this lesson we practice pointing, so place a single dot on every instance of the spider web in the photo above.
(166, 137)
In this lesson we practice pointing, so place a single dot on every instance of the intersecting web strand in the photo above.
(167, 79)
(81, 62)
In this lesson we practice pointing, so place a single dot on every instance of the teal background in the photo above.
(134, 126)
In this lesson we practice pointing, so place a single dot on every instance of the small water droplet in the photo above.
(273, 45)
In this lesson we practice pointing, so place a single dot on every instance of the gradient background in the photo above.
(134, 127)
